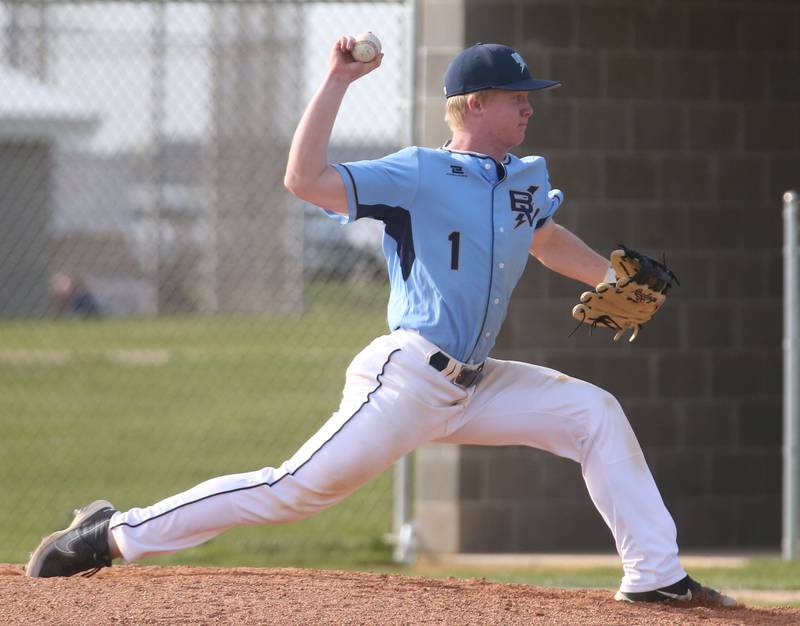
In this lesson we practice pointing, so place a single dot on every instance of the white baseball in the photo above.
(367, 47)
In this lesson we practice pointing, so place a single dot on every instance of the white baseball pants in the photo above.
(393, 402)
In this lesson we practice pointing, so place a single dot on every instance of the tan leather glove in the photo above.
(641, 289)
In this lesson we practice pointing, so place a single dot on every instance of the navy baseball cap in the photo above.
(490, 66)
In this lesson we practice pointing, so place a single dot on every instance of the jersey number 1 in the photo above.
(455, 240)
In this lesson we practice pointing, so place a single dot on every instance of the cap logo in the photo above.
(516, 56)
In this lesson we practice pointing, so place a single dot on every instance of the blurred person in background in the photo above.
(73, 298)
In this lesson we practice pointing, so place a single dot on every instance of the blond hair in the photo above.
(457, 108)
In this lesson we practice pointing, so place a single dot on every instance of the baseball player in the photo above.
(460, 222)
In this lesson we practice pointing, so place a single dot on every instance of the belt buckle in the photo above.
(466, 376)
(469, 377)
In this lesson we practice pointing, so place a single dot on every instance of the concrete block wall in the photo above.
(676, 131)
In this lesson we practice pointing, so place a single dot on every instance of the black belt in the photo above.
(464, 376)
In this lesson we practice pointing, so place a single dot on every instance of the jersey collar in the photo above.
(506, 159)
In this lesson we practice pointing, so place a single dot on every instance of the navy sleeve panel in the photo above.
(398, 227)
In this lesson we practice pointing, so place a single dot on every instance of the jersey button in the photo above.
(502, 230)
(487, 334)
(497, 300)
(501, 265)
(486, 166)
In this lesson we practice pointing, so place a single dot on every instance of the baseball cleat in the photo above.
(685, 590)
(81, 547)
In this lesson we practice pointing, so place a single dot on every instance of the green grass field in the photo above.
(136, 410)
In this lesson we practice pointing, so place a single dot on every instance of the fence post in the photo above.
(403, 528)
(791, 369)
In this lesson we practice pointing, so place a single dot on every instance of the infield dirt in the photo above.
(191, 595)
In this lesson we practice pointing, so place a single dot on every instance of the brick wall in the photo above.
(676, 131)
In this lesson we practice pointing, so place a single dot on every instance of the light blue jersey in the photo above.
(458, 229)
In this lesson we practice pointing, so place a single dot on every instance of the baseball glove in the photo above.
(641, 289)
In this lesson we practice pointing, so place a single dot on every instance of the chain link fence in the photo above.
(167, 311)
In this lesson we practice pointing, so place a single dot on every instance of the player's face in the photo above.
(507, 114)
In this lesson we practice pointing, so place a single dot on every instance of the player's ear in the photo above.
(475, 102)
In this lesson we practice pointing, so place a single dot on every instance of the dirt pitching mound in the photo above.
(192, 595)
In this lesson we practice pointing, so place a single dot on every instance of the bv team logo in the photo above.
(522, 205)
(520, 61)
